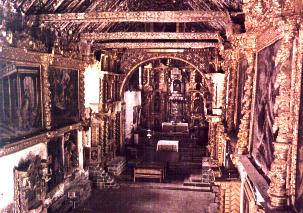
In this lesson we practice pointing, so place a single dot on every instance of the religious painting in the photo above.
(263, 134)
(64, 87)
(177, 86)
(55, 160)
(21, 103)
(299, 178)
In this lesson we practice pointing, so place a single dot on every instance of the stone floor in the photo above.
(130, 199)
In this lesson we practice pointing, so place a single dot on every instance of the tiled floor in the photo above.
(147, 200)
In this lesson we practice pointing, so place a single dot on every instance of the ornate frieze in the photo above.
(22, 144)
(155, 45)
(244, 128)
(46, 94)
(139, 16)
(149, 36)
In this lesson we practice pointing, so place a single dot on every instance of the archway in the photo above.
(166, 95)
(135, 61)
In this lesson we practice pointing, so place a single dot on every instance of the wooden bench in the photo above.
(153, 173)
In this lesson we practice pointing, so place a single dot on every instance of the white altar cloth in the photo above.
(168, 145)
(174, 127)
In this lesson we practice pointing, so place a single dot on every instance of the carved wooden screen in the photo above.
(263, 134)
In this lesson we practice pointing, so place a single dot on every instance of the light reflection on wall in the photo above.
(217, 86)
(92, 77)
(131, 99)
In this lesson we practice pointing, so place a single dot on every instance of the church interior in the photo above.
(151, 106)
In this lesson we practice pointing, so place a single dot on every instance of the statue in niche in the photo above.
(177, 86)
(27, 110)
(198, 104)
(157, 102)
(70, 153)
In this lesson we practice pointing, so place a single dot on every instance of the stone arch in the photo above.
(133, 59)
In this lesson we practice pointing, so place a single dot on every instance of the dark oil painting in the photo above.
(64, 84)
(20, 98)
(263, 134)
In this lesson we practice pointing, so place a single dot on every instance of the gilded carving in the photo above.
(149, 36)
(142, 16)
(156, 45)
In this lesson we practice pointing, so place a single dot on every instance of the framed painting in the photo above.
(21, 103)
(64, 88)
(263, 134)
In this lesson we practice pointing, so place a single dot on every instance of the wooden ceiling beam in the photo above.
(144, 16)
(148, 36)
(155, 45)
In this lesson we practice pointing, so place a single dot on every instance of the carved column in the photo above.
(216, 140)
(82, 92)
(243, 135)
(122, 126)
(101, 139)
(46, 93)
(278, 172)
(101, 93)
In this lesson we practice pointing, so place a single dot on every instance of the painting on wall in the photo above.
(64, 88)
(263, 134)
(21, 103)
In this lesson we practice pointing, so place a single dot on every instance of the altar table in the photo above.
(168, 145)
(174, 127)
